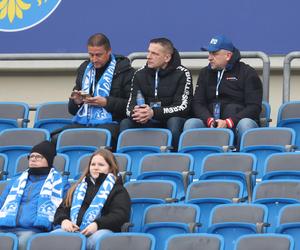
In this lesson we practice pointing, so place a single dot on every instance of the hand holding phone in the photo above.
(84, 95)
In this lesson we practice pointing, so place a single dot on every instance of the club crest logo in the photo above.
(17, 15)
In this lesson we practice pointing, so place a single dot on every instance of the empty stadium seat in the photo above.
(9, 241)
(15, 142)
(13, 115)
(195, 242)
(126, 241)
(165, 220)
(282, 166)
(234, 220)
(232, 166)
(275, 194)
(146, 193)
(288, 222)
(52, 116)
(203, 141)
(57, 241)
(207, 194)
(265, 141)
(141, 141)
(176, 167)
(265, 242)
(289, 117)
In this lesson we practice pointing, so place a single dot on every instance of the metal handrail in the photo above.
(287, 75)
(244, 54)
(43, 56)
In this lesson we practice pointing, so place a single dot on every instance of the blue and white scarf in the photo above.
(89, 114)
(97, 203)
(50, 197)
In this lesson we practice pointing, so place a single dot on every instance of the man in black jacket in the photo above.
(228, 92)
(166, 88)
(102, 89)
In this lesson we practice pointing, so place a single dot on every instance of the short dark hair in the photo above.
(165, 42)
(98, 40)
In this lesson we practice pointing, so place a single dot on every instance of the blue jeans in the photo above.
(22, 234)
(92, 239)
(242, 126)
(174, 124)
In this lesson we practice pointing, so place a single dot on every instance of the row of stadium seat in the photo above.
(137, 143)
(144, 241)
(54, 115)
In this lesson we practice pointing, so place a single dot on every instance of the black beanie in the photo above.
(46, 149)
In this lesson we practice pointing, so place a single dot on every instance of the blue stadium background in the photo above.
(269, 26)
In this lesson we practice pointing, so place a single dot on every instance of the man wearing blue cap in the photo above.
(228, 92)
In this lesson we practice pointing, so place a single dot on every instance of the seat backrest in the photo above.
(283, 162)
(83, 162)
(144, 137)
(49, 241)
(289, 214)
(247, 213)
(23, 136)
(9, 241)
(268, 136)
(14, 110)
(195, 242)
(265, 241)
(265, 114)
(151, 189)
(206, 137)
(288, 110)
(60, 163)
(2, 186)
(229, 162)
(287, 189)
(84, 137)
(225, 189)
(126, 241)
(52, 110)
(123, 161)
(166, 162)
(3, 165)
(181, 213)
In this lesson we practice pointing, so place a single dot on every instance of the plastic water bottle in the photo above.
(140, 100)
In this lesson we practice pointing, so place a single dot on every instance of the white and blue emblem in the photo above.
(17, 15)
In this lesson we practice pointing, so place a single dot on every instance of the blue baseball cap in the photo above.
(219, 42)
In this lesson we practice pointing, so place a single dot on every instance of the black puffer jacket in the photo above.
(174, 89)
(116, 210)
(120, 88)
(240, 92)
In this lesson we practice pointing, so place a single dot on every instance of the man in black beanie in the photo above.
(26, 209)
(42, 155)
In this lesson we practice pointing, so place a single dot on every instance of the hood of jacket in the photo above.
(172, 65)
(123, 64)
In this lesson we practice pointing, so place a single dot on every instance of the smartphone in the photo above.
(85, 95)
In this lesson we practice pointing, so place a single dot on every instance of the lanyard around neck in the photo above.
(156, 83)
(219, 79)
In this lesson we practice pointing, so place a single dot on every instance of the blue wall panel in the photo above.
(269, 26)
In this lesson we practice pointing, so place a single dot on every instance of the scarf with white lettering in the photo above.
(89, 114)
(97, 203)
(48, 201)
